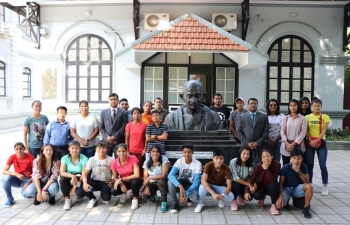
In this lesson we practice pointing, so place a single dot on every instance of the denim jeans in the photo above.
(52, 189)
(34, 152)
(202, 192)
(172, 191)
(322, 159)
(88, 152)
(9, 181)
(276, 153)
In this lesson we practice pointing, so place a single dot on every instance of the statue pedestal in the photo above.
(205, 142)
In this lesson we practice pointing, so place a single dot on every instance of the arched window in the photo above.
(88, 69)
(27, 90)
(2, 79)
(290, 71)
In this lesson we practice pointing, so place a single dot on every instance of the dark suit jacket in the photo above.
(248, 133)
(114, 128)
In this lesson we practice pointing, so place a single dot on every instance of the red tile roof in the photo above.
(190, 34)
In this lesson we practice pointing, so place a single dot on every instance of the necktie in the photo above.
(253, 119)
(113, 115)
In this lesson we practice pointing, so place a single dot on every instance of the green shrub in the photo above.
(336, 134)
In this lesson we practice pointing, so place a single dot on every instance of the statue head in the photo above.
(193, 94)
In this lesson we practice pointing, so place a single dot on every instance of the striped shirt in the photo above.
(293, 129)
(153, 130)
(240, 172)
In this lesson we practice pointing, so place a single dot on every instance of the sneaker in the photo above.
(79, 199)
(36, 202)
(105, 202)
(324, 190)
(189, 202)
(240, 200)
(261, 202)
(274, 210)
(122, 198)
(199, 208)
(134, 204)
(52, 200)
(67, 204)
(91, 203)
(9, 202)
(163, 207)
(175, 208)
(234, 205)
(306, 212)
(221, 204)
(152, 199)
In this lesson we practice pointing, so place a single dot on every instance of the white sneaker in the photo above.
(122, 198)
(134, 204)
(221, 204)
(67, 204)
(324, 190)
(199, 208)
(79, 199)
(91, 204)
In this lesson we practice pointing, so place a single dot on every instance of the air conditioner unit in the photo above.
(5, 29)
(226, 21)
(156, 21)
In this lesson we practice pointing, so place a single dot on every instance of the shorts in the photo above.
(294, 192)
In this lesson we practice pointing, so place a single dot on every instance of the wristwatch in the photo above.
(299, 172)
(87, 140)
(223, 195)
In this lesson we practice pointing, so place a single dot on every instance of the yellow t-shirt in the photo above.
(313, 124)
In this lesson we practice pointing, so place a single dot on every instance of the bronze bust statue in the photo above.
(193, 115)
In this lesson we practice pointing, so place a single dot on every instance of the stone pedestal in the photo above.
(205, 142)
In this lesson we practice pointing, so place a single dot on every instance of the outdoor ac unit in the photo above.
(226, 21)
(156, 21)
(5, 29)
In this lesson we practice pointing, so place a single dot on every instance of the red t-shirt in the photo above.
(127, 169)
(136, 136)
(22, 166)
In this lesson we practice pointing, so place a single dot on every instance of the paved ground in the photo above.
(332, 209)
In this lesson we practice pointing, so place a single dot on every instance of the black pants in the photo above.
(98, 186)
(110, 151)
(272, 190)
(237, 189)
(161, 185)
(285, 159)
(66, 187)
(60, 151)
(134, 185)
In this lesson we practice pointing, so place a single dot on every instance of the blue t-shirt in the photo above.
(36, 130)
(291, 178)
(74, 168)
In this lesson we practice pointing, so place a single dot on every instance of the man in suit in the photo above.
(253, 128)
(112, 123)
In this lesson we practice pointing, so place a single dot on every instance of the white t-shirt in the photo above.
(187, 171)
(85, 127)
(100, 169)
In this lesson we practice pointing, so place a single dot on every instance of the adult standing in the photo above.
(34, 129)
(253, 128)
(222, 110)
(275, 118)
(112, 123)
(158, 105)
(233, 119)
(317, 124)
(84, 129)
(147, 113)
(305, 106)
(58, 133)
(124, 104)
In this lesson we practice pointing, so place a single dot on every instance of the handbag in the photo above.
(319, 143)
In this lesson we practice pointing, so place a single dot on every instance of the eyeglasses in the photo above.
(273, 105)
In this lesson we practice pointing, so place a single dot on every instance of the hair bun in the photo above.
(314, 98)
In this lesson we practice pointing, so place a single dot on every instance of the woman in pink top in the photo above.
(135, 136)
(126, 175)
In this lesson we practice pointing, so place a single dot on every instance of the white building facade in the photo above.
(292, 49)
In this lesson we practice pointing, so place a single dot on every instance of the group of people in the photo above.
(66, 155)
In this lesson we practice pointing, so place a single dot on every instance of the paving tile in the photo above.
(333, 219)
(19, 221)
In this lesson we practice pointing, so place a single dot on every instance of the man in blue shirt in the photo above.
(294, 182)
(58, 133)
